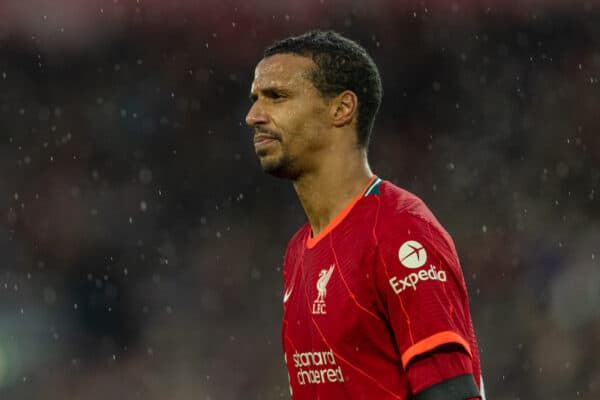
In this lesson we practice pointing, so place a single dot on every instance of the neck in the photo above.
(326, 191)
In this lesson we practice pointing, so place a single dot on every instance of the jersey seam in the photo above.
(386, 270)
(450, 272)
(351, 365)
(352, 295)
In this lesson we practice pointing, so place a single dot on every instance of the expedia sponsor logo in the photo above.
(399, 285)
(316, 367)
(412, 254)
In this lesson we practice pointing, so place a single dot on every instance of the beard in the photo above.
(281, 167)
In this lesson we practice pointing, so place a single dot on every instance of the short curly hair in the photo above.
(342, 64)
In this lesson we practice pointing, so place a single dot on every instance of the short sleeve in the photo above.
(420, 283)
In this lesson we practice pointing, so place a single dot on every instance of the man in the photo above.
(375, 304)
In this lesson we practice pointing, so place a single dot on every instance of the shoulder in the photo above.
(297, 241)
(405, 217)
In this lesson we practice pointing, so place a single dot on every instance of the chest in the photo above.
(330, 293)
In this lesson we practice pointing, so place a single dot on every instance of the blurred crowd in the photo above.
(142, 245)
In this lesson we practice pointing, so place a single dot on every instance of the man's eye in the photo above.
(276, 95)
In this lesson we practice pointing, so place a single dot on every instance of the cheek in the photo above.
(315, 127)
(302, 126)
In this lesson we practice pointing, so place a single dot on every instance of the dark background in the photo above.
(141, 245)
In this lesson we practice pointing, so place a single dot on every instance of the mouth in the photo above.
(263, 140)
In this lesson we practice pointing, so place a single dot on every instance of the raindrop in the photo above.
(562, 170)
(145, 176)
(49, 295)
(255, 274)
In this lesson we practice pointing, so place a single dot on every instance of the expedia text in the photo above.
(410, 281)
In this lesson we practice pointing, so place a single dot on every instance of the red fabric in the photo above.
(359, 307)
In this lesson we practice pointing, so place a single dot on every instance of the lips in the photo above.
(263, 141)
(262, 138)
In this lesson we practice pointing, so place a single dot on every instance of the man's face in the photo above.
(288, 115)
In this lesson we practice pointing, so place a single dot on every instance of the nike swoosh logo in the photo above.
(287, 294)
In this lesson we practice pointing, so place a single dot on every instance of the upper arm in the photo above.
(422, 289)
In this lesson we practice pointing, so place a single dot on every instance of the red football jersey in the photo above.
(379, 287)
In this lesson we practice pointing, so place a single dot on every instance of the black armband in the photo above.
(462, 387)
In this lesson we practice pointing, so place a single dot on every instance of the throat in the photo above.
(327, 207)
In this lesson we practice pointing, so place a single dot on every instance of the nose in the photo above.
(256, 115)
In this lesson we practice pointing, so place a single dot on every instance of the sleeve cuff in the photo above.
(461, 387)
(431, 343)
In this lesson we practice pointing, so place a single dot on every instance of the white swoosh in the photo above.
(287, 294)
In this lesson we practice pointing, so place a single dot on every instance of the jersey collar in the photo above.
(369, 189)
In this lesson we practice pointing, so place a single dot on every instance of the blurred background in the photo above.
(141, 244)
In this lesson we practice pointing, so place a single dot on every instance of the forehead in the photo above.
(282, 70)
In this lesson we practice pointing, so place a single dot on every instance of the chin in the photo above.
(278, 168)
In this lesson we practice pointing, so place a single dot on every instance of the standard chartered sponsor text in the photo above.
(316, 367)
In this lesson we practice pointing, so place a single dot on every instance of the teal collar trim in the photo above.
(374, 188)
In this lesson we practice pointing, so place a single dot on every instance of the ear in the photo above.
(344, 108)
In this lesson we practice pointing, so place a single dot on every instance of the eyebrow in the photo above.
(269, 91)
